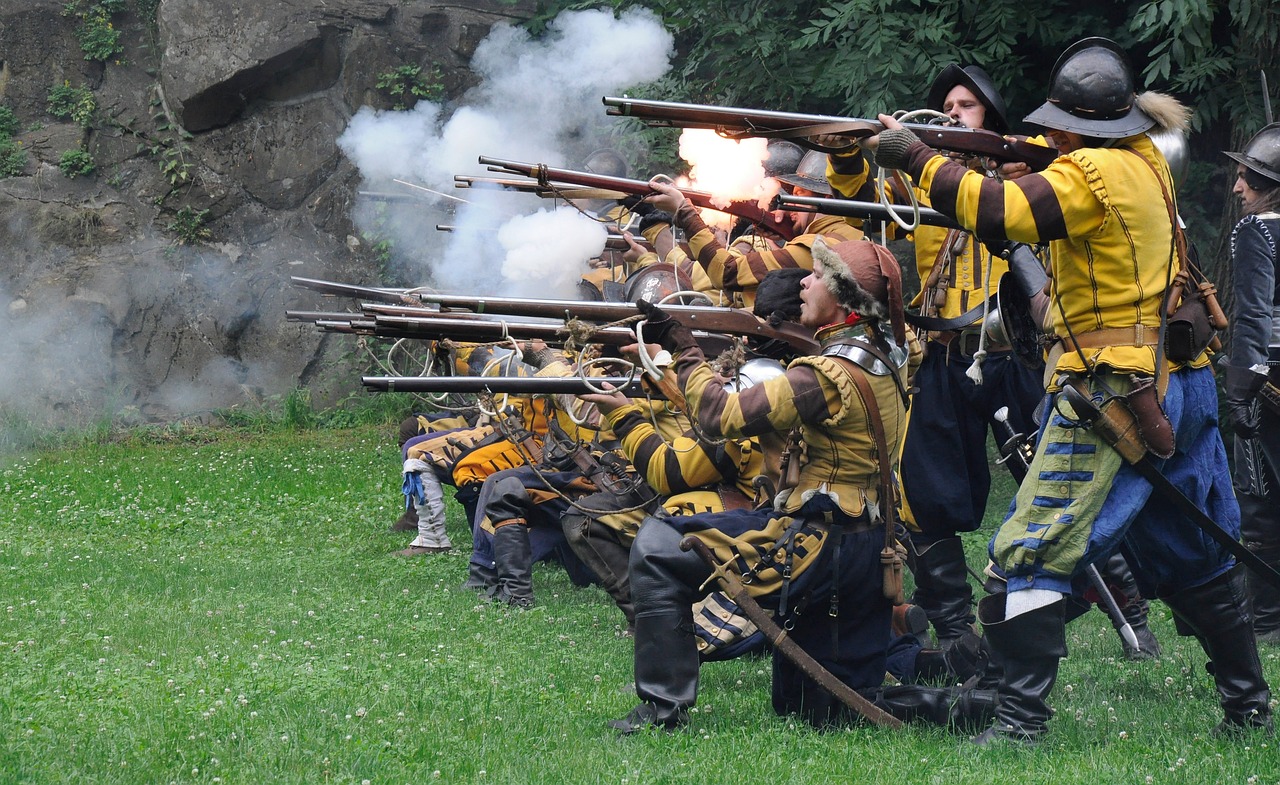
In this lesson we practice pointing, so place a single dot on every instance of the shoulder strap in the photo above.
(888, 498)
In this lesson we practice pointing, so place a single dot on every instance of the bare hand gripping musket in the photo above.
(547, 176)
(735, 123)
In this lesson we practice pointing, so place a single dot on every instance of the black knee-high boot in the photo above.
(1217, 615)
(663, 581)
(959, 709)
(1030, 646)
(513, 559)
(942, 588)
(1260, 530)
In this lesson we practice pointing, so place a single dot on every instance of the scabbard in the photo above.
(731, 585)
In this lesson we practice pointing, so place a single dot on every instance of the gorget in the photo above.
(854, 342)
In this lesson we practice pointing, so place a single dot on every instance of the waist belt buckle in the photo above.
(967, 342)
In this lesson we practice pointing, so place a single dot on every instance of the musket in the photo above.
(545, 175)
(731, 584)
(546, 191)
(709, 319)
(382, 295)
(521, 385)
(325, 316)
(849, 208)
(737, 123)
(612, 241)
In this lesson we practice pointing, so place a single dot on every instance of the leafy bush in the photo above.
(8, 122)
(408, 81)
(13, 159)
(75, 163)
(188, 226)
(74, 103)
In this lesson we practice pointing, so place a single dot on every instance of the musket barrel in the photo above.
(850, 208)
(518, 385)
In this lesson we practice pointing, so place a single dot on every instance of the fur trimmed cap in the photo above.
(865, 278)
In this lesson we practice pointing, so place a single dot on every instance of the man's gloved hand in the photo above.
(637, 205)
(663, 330)
(654, 218)
(891, 152)
(1240, 386)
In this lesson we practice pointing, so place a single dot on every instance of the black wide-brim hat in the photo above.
(1091, 93)
(979, 83)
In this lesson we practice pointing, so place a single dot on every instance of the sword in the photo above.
(1113, 608)
(731, 584)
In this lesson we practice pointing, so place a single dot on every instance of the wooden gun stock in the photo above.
(546, 176)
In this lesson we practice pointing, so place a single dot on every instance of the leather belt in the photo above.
(1137, 335)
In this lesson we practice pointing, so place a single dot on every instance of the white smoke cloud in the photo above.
(538, 102)
(547, 251)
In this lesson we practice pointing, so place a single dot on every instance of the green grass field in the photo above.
(225, 608)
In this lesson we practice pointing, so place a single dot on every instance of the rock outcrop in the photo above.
(157, 285)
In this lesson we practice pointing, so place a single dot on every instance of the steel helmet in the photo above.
(811, 174)
(1261, 158)
(980, 84)
(784, 157)
(753, 372)
(1091, 93)
(606, 162)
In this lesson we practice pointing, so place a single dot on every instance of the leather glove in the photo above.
(1240, 386)
(891, 153)
(663, 330)
(637, 205)
(654, 218)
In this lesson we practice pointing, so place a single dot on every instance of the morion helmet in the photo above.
(811, 174)
(1091, 93)
(1261, 158)
(979, 83)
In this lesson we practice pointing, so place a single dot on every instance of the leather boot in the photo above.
(911, 620)
(1030, 646)
(957, 663)
(1217, 614)
(1116, 573)
(942, 589)
(1260, 531)
(666, 658)
(1264, 599)
(960, 709)
(513, 558)
(482, 578)
(408, 520)
(600, 550)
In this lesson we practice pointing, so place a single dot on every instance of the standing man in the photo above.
(961, 385)
(1255, 356)
(1105, 208)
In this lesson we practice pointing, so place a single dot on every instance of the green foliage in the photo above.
(72, 103)
(99, 39)
(408, 83)
(76, 163)
(188, 226)
(13, 159)
(168, 146)
(8, 122)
